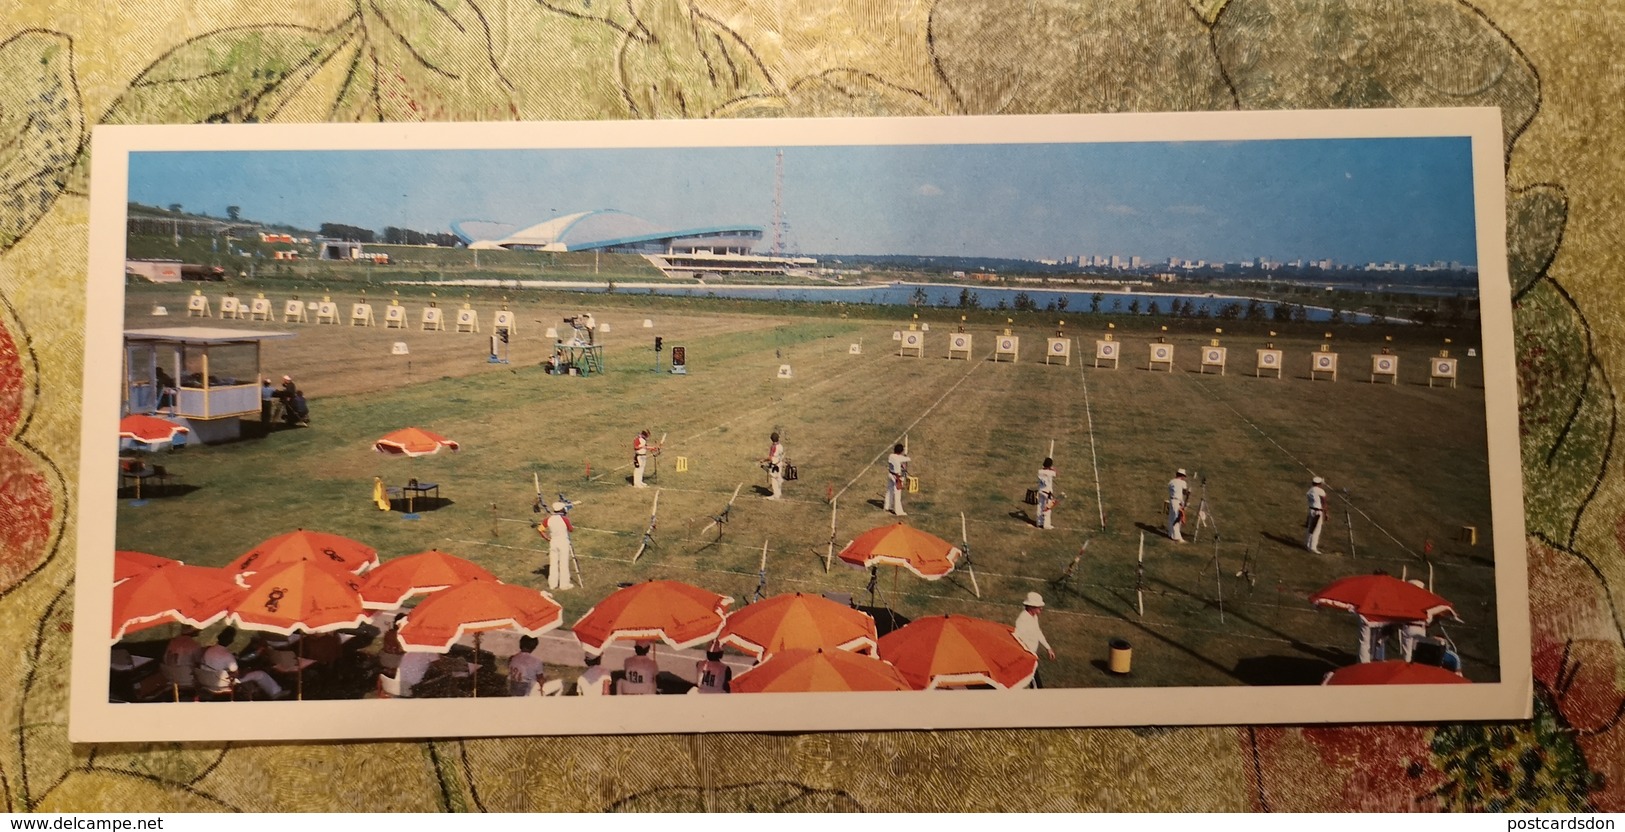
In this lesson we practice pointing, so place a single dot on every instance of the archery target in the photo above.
(911, 339)
(1325, 362)
(260, 306)
(1213, 356)
(1444, 368)
(293, 309)
(1106, 349)
(1059, 347)
(504, 319)
(197, 303)
(396, 314)
(1162, 353)
(959, 342)
(1007, 344)
(327, 311)
(1269, 359)
(431, 316)
(1384, 365)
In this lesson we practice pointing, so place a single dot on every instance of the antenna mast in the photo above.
(778, 205)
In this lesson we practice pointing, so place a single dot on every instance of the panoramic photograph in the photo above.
(1134, 423)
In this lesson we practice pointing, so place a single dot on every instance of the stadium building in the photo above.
(684, 253)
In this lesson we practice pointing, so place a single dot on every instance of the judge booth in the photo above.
(205, 377)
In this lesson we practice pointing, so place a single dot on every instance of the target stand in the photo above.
(1322, 362)
(395, 316)
(197, 305)
(432, 319)
(1269, 361)
(293, 312)
(1161, 354)
(259, 309)
(468, 320)
(1007, 346)
(1442, 369)
(361, 315)
(1108, 350)
(1060, 348)
(1213, 356)
(327, 312)
(505, 319)
(959, 342)
(911, 341)
(1384, 364)
(231, 307)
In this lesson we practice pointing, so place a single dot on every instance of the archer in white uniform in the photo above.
(640, 458)
(775, 467)
(896, 479)
(1179, 492)
(1316, 521)
(1046, 494)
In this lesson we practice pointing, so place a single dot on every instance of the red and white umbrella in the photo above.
(798, 622)
(128, 564)
(679, 614)
(196, 596)
(825, 671)
(946, 651)
(394, 581)
(900, 544)
(150, 430)
(413, 442)
(328, 550)
(1383, 598)
(478, 606)
(1393, 672)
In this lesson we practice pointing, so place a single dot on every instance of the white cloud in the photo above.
(929, 189)
(1121, 210)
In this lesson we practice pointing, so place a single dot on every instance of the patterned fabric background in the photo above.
(1550, 66)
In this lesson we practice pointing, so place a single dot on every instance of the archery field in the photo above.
(1405, 466)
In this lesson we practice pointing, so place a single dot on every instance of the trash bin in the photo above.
(1122, 656)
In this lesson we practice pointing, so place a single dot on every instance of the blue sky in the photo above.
(1355, 200)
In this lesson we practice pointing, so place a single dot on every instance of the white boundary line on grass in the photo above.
(887, 449)
(1100, 501)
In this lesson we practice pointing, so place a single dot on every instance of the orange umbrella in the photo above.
(798, 622)
(304, 596)
(149, 430)
(477, 606)
(677, 613)
(329, 550)
(193, 595)
(824, 671)
(1395, 672)
(899, 544)
(128, 564)
(1381, 597)
(389, 585)
(957, 651)
(413, 442)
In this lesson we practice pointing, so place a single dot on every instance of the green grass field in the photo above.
(1410, 457)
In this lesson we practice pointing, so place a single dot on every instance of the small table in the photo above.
(420, 491)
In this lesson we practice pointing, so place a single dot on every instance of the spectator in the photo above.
(220, 668)
(595, 680)
(640, 671)
(525, 675)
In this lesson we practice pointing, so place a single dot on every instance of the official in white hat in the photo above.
(1029, 633)
(556, 531)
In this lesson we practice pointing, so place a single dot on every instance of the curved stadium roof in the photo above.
(601, 229)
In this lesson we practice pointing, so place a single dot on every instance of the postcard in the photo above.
(450, 430)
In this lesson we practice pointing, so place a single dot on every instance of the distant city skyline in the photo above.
(1352, 201)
